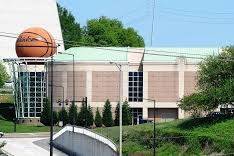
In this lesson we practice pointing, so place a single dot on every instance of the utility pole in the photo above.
(51, 107)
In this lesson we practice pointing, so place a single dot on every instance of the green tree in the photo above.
(110, 32)
(82, 115)
(3, 75)
(127, 116)
(45, 114)
(72, 115)
(55, 117)
(70, 28)
(63, 116)
(215, 83)
(107, 114)
(117, 115)
(89, 116)
(98, 119)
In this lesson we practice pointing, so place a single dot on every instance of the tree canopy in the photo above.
(3, 75)
(71, 30)
(102, 31)
(215, 83)
(110, 32)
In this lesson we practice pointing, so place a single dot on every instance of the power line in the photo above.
(149, 52)
(200, 11)
(196, 16)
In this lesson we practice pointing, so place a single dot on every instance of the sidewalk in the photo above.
(26, 135)
(34, 146)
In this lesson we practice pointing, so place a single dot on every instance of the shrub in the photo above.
(63, 116)
(72, 115)
(89, 117)
(98, 119)
(126, 114)
(55, 117)
(82, 115)
(45, 115)
(107, 115)
(117, 115)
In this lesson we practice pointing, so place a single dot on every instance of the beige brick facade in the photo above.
(163, 86)
(105, 85)
(190, 80)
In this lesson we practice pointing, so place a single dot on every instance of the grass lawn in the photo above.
(201, 136)
(8, 127)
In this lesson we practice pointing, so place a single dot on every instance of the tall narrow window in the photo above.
(135, 86)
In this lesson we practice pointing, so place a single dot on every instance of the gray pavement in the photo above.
(34, 146)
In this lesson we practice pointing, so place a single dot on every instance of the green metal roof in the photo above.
(164, 54)
(170, 54)
(94, 54)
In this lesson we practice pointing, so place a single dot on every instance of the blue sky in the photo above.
(178, 23)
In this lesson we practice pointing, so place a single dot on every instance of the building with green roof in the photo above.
(162, 74)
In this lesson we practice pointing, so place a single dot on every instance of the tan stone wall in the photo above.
(190, 80)
(80, 85)
(163, 86)
(105, 86)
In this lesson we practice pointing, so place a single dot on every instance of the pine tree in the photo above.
(89, 117)
(82, 115)
(63, 116)
(126, 115)
(55, 117)
(107, 114)
(45, 115)
(72, 115)
(117, 115)
(98, 119)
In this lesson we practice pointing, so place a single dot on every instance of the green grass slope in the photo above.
(8, 127)
(201, 136)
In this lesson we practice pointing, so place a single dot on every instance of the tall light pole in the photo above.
(73, 56)
(51, 107)
(154, 142)
(119, 66)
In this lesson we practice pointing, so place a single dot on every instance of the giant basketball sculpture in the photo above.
(35, 42)
(33, 47)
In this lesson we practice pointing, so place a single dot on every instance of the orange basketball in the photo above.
(35, 42)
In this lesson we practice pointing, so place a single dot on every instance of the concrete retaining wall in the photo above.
(82, 142)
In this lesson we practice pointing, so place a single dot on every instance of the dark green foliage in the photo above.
(3, 75)
(63, 116)
(72, 115)
(110, 32)
(70, 28)
(7, 111)
(98, 119)
(107, 114)
(89, 117)
(82, 115)
(55, 117)
(117, 115)
(215, 83)
(127, 116)
(45, 114)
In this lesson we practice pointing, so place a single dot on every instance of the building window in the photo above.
(135, 86)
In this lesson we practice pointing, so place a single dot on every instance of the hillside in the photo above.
(200, 136)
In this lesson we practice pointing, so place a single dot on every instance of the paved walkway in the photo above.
(35, 146)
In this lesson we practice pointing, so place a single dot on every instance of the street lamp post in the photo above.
(119, 66)
(154, 142)
(51, 107)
